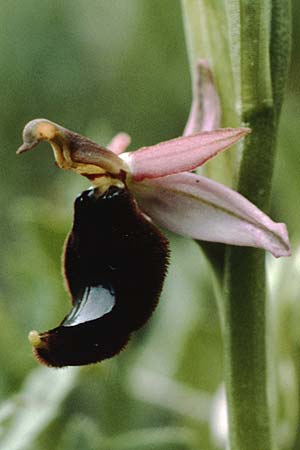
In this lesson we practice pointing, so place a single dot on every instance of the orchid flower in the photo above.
(114, 233)
(160, 176)
(160, 179)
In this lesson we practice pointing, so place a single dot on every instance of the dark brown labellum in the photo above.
(115, 263)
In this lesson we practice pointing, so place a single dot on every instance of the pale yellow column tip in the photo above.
(34, 339)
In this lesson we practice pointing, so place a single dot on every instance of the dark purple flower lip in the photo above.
(115, 262)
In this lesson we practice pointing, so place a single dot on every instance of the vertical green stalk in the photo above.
(259, 33)
(258, 37)
(246, 368)
(280, 49)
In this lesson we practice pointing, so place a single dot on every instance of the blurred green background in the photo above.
(100, 67)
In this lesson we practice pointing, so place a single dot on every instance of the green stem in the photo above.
(246, 368)
(257, 35)
(258, 76)
(245, 351)
(246, 354)
(280, 49)
(246, 365)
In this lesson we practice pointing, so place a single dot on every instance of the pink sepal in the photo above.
(119, 143)
(181, 154)
(205, 114)
(201, 208)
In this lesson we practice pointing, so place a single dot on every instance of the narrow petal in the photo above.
(201, 208)
(119, 143)
(181, 154)
(205, 114)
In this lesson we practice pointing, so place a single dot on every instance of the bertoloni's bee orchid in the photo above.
(115, 258)
(159, 178)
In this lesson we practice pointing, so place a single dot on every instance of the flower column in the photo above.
(259, 40)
